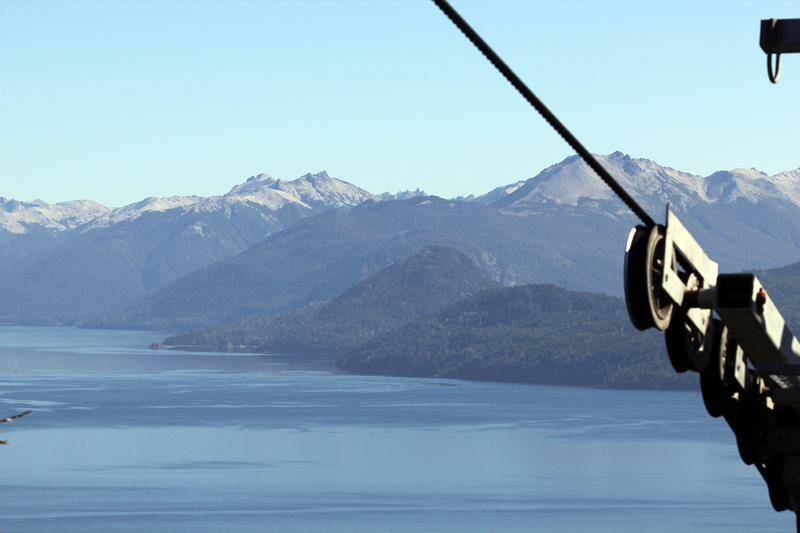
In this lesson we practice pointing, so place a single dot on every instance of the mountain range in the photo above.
(271, 246)
(75, 257)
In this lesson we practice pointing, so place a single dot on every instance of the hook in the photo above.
(776, 77)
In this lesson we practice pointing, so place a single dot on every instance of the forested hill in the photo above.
(534, 334)
(415, 287)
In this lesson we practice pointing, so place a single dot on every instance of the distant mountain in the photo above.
(95, 258)
(564, 226)
(493, 195)
(319, 258)
(40, 217)
(404, 291)
(572, 185)
(575, 242)
(402, 195)
(273, 199)
(729, 212)
(531, 334)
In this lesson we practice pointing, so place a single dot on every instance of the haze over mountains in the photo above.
(270, 246)
(69, 263)
(407, 290)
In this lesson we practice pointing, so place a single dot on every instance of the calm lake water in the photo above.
(123, 438)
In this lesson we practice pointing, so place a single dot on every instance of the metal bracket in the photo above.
(704, 275)
(779, 36)
(755, 322)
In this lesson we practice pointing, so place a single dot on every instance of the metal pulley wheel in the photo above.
(773, 475)
(751, 430)
(712, 379)
(685, 344)
(746, 433)
(649, 306)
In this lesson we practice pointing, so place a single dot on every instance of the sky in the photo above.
(116, 101)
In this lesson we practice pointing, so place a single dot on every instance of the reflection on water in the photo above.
(124, 438)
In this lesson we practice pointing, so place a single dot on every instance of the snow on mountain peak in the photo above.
(752, 185)
(134, 211)
(16, 216)
(572, 182)
(310, 191)
(402, 195)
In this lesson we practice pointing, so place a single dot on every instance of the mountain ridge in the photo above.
(403, 291)
(651, 184)
(562, 226)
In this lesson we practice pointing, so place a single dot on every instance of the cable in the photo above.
(523, 89)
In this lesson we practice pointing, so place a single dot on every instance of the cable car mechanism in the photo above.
(723, 326)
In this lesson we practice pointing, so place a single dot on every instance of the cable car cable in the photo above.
(562, 130)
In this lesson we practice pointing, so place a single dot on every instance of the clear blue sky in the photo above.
(119, 100)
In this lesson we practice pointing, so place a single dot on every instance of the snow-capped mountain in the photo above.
(743, 218)
(402, 195)
(311, 193)
(572, 186)
(752, 185)
(491, 196)
(563, 226)
(20, 217)
(307, 195)
(572, 183)
(315, 191)
(146, 245)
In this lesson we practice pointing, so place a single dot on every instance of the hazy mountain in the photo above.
(321, 257)
(311, 194)
(28, 228)
(493, 195)
(402, 292)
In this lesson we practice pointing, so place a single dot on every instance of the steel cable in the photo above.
(523, 89)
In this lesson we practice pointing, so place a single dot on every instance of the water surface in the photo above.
(123, 438)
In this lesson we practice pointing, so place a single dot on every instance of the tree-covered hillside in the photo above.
(534, 334)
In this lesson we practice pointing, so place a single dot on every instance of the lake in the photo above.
(123, 438)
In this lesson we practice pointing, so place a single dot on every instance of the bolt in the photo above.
(761, 299)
